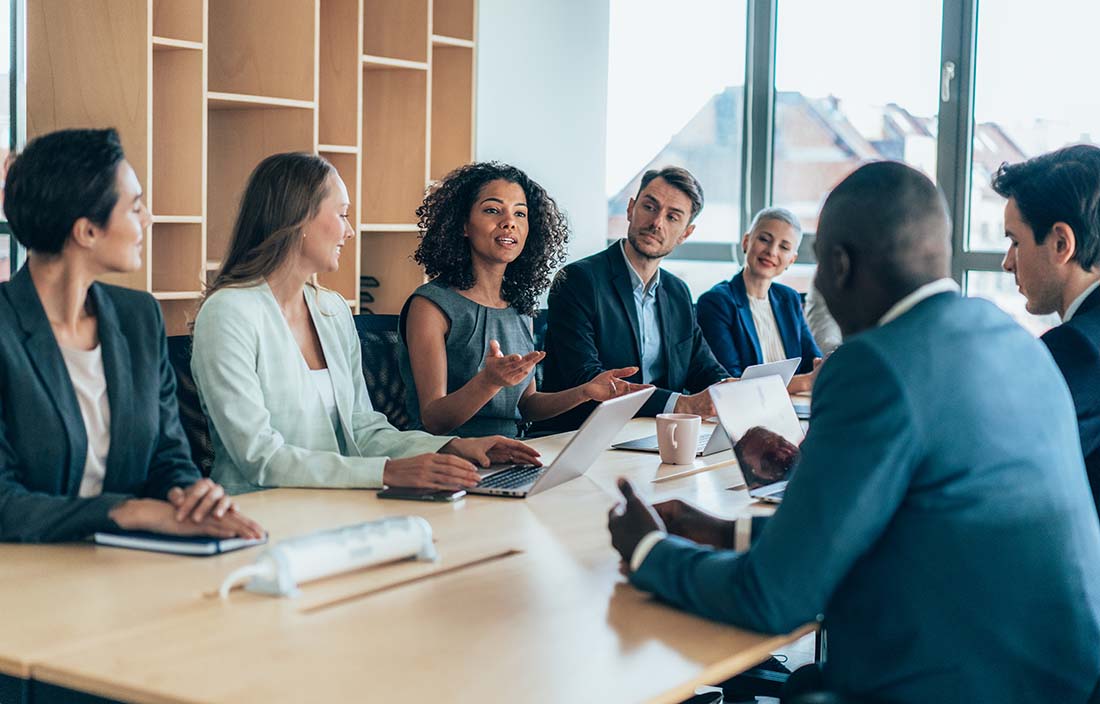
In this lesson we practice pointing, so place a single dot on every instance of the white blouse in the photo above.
(323, 381)
(90, 384)
(767, 331)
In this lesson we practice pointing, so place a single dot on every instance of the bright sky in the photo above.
(666, 61)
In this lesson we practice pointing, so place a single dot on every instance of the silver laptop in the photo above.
(784, 368)
(717, 441)
(758, 402)
(593, 437)
(710, 442)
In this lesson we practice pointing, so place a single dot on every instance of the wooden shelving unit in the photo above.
(202, 90)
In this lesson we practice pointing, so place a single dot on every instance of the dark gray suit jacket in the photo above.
(43, 443)
(939, 519)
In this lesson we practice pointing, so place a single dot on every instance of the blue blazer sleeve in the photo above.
(717, 318)
(839, 501)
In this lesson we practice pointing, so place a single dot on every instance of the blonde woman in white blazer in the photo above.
(276, 358)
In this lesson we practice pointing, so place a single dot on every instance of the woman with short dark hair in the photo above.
(491, 239)
(90, 437)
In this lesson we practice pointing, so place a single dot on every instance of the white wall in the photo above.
(542, 102)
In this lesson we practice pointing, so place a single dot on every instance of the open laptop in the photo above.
(758, 402)
(784, 369)
(593, 437)
(711, 442)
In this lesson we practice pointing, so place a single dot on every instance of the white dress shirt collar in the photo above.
(909, 302)
(1072, 310)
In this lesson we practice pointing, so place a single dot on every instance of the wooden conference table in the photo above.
(525, 605)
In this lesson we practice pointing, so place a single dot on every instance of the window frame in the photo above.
(955, 134)
(17, 102)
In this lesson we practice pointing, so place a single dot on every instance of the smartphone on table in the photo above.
(414, 494)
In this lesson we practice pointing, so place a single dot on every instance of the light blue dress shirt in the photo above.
(654, 364)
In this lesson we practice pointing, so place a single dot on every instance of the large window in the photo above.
(820, 87)
(675, 98)
(836, 108)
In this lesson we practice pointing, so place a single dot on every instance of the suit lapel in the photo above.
(741, 302)
(336, 361)
(118, 370)
(45, 356)
(620, 281)
(784, 324)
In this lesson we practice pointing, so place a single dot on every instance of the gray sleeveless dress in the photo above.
(472, 326)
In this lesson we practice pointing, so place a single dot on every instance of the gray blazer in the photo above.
(267, 421)
(939, 518)
(43, 444)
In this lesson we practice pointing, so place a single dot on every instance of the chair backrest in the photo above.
(191, 415)
(381, 344)
(539, 330)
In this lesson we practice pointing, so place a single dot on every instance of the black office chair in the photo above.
(539, 330)
(191, 415)
(381, 345)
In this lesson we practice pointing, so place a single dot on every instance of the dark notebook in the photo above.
(180, 545)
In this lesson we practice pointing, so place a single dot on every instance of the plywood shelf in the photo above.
(263, 47)
(168, 44)
(454, 18)
(397, 28)
(177, 295)
(441, 40)
(202, 90)
(378, 63)
(389, 227)
(239, 101)
(179, 21)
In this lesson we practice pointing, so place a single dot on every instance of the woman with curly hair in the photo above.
(277, 361)
(490, 240)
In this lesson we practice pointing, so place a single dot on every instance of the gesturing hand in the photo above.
(493, 449)
(630, 521)
(611, 384)
(504, 371)
(686, 521)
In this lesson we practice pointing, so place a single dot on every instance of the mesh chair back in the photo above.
(381, 345)
(191, 415)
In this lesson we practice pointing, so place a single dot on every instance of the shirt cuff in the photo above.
(670, 404)
(641, 550)
(742, 534)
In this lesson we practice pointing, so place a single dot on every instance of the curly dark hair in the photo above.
(445, 253)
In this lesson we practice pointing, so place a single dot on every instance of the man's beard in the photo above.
(646, 255)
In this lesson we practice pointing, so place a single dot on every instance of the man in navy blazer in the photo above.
(1052, 221)
(937, 519)
(617, 308)
(727, 317)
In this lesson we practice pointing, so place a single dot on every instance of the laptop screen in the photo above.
(744, 405)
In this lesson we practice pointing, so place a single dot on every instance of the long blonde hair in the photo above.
(284, 192)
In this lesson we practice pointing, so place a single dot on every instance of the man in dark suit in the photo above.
(1052, 221)
(937, 516)
(618, 309)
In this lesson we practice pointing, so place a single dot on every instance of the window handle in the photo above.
(946, 76)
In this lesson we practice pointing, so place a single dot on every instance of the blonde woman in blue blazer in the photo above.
(277, 360)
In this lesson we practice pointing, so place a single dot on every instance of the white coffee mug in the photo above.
(678, 437)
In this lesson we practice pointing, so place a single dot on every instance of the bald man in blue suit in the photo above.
(938, 519)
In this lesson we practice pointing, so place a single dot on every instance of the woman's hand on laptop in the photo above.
(494, 449)
(434, 470)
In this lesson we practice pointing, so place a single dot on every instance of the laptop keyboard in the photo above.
(704, 438)
(514, 477)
